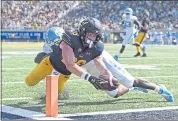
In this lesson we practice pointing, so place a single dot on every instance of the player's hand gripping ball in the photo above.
(112, 82)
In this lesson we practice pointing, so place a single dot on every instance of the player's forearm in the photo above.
(75, 69)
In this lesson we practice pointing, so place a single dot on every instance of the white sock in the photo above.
(119, 54)
(157, 89)
(132, 88)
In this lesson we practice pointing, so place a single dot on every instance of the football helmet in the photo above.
(146, 14)
(128, 12)
(54, 36)
(90, 31)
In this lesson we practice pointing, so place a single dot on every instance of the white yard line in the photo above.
(21, 52)
(42, 105)
(164, 64)
(120, 111)
(40, 116)
(20, 98)
(173, 76)
(28, 114)
(42, 81)
(16, 68)
(129, 58)
(14, 82)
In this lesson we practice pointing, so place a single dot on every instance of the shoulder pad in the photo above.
(134, 18)
(67, 38)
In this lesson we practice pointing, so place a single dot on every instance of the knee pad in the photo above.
(113, 93)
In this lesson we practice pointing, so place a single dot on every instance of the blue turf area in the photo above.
(7, 116)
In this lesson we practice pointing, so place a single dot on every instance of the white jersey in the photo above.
(114, 67)
(128, 24)
(129, 29)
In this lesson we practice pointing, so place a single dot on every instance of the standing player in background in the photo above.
(129, 24)
(142, 34)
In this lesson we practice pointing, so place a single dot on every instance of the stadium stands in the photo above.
(40, 14)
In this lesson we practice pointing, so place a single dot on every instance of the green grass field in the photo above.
(83, 97)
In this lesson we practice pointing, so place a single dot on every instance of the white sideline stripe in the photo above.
(21, 52)
(40, 116)
(41, 105)
(120, 111)
(125, 65)
(16, 68)
(147, 58)
(13, 82)
(159, 77)
(164, 64)
(71, 80)
(28, 114)
(20, 98)
(42, 81)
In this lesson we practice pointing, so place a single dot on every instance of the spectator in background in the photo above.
(41, 13)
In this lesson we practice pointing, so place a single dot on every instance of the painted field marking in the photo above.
(42, 105)
(147, 67)
(40, 116)
(28, 114)
(144, 66)
(159, 77)
(120, 111)
(21, 53)
(16, 68)
(20, 98)
(173, 76)
(149, 58)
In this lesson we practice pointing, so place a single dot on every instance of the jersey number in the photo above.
(127, 24)
(78, 62)
(75, 33)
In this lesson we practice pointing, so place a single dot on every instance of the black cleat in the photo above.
(138, 54)
(144, 55)
(136, 44)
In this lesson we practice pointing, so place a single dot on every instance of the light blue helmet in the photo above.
(54, 35)
(129, 10)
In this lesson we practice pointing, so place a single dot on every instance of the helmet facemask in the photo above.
(89, 33)
(90, 39)
(146, 15)
(128, 15)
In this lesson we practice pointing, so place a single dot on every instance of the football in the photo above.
(112, 82)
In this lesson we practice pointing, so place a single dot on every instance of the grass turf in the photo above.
(83, 97)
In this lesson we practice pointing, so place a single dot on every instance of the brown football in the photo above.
(112, 82)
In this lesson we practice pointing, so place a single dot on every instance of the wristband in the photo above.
(85, 76)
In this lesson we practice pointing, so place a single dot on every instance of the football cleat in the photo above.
(116, 57)
(141, 89)
(144, 55)
(166, 94)
(138, 54)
